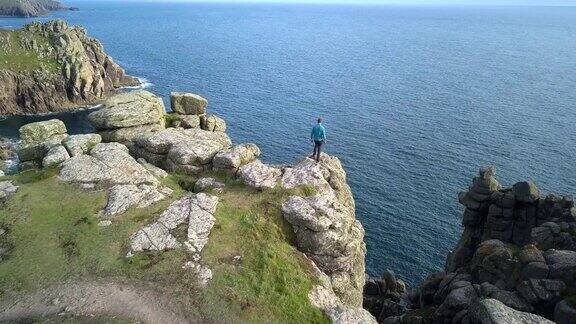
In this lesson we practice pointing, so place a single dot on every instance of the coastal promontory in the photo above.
(29, 8)
(53, 67)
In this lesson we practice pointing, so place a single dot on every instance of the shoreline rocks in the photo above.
(515, 261)
(30, 8)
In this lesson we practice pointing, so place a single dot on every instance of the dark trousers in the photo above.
(317, 150)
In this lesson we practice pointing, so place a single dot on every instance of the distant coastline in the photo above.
(30, 8)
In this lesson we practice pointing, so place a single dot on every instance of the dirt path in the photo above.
(95, 298)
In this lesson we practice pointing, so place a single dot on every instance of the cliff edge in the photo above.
(53, 67)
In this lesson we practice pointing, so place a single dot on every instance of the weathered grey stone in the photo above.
(154, 170)
(203, 273)
(7, 189)
(81, 144)
(206, 184)
(190, 121)
(338, 251)
(128, 110)
(564, 312)
(123, 197)
(492, 311)
(200, 223)
(212, 123)
(56, 155)
(154, 237)
(108, 164)
(128, 134)
(35, 151)
(258, 175)
(41, 131)
(298, 212)
(231, 160)
(187, 103)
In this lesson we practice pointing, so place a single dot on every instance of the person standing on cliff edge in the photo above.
(318, 137)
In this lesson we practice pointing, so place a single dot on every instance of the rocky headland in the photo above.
(29, 8)
(185, 163)
(53, 67)
(515, 263)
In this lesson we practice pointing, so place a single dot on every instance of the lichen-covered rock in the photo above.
(123, 197)
(188, 103)
(108, 164)
(41, 131)
(7, 189)
(154, 170)
(231, 160)
(198, 210)
(258, 175)
(56, 155)
(140, 109)
(325, 225)
(38, 138)
(81, 143)
(84, 72)
(184, 150)
(207, 184)
(492, 311)
(190, 121)
(212, 123)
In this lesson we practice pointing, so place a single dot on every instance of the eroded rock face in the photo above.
(515, 261)
(325, 225)
(56, 155)
(123, 197)
(83, 75)
(188, 103)
(128, 115)
(231, 160)
(81, 144)
(38, 138)
(107, 165)
(259, 175)
(491, 311)
(185, 150)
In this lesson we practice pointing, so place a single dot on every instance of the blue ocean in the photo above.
(415, 99)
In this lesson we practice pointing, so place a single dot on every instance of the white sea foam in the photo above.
(144, 84)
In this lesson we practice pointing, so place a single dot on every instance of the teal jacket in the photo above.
(318, 133)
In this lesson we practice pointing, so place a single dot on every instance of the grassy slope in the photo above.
(54, 236)
(13, 57)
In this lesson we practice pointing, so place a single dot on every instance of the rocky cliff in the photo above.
(515, 263)
(54, 67)
(278, 244)
(29, 8)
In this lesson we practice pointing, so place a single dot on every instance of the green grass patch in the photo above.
(272, 279)
(15, 57)
(53, 236)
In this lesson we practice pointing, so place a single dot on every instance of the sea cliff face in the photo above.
(29, 8)
(54, 67)
(515, 263)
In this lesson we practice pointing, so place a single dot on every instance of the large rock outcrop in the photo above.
(183, 150)
(38, 139)
(66, 69)
(325, 225)
(515, 261)
(128, 115)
